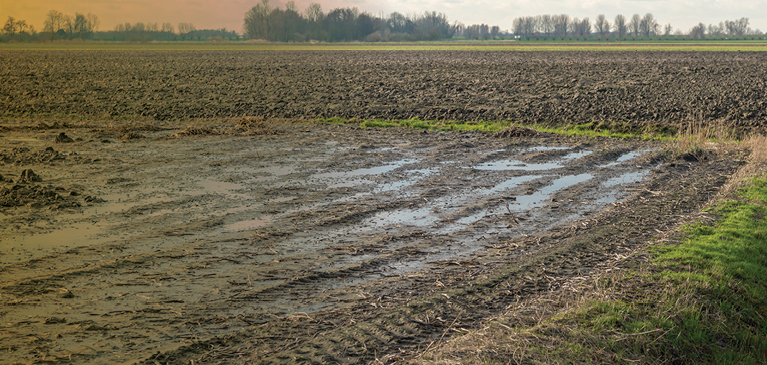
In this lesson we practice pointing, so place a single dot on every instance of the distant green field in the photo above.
(753, 46)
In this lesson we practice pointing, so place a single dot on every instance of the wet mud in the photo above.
(256, 241)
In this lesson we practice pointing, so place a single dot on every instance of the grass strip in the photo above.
(590, 129)
(702, 300)
(474, 46)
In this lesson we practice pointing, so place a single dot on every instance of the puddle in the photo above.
(415, 217)
(511, 183)
(39, 245)
(538, 198)
(627, 178)
(378, 170)
(507, 165)
(626, 157)
(546, 148)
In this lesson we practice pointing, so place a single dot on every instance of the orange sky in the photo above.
(229, 14)
(203, 14)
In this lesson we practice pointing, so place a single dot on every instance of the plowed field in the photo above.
(245, 240)
(639, 88)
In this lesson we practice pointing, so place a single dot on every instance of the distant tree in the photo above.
(69, 24)
(698, 31)
(561, 24)
(634, 25)
(546, 24)
(648, 26)
(256, 21)
(167, 28)
(737, 27)
(584, 27)
(316, 17)
(620, 27)
(82, 28)
(528, 26)
(184, 28)
(93, 22)
(667, 29)
(54, 21)
(601, 25)
(13, 27)
(715, 31)
(494, 31)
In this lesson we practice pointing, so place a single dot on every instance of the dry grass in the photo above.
(758, 146)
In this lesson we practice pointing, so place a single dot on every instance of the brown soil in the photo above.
(266, 239)
(658, 89)
(253, 240)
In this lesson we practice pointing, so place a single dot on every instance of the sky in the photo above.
(215, 14)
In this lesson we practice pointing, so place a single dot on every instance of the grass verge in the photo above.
(591, 129)
(702, 299)
(480, 46)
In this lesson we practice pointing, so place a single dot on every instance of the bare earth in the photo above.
(278, 241)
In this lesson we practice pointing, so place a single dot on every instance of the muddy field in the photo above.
(639, 88)
(321, 243)
(242, 240)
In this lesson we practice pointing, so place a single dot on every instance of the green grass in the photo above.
(730, 46)
(591, 129)
(706, 303)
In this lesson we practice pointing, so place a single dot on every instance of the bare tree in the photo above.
(256, 21)
(561, 24)
(69, 24)
(184, 28)
(546, 24)
(715, 31)
(667, 29)
(737, 27)
(580, 28)
(599, 24)
(634, 25)
(93, 22)
(54, 21)
(619, 26)
(698, 31)
(167, 27)
(314, 12)
(648, 26)
(81, 28)
(13, 26)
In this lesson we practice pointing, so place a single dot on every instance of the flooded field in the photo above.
(172, 240)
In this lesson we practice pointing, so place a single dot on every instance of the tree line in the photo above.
(341, 24)
(275, 24)
(60, 26)
(637, 27)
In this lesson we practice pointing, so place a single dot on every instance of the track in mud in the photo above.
(202, 236)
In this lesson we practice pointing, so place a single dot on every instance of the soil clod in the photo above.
(63, 138)
(29, 176)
